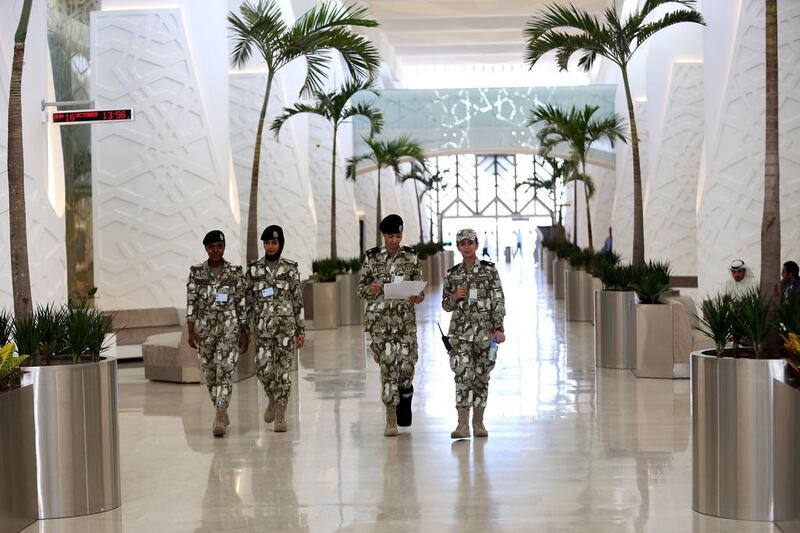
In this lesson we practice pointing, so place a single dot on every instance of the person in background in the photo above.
(789, 286)
(608, 245)
(742, 279)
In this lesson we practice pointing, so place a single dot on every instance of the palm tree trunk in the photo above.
(419, 212)
(378, 212)
(638, 209)
(771, 218)
(18, 235)
(575, 212)
(588, 211)
(333, 196)
(252, 208)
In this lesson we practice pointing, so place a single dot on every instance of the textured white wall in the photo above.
(670, 226)
(43, 182)
(730, 199)
(160, 182)
(395, 198)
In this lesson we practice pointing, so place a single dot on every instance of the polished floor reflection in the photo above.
(571, 448)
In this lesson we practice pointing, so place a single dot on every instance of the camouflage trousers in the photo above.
(397, 362)
(274, 366)
(218, 355)
(471, 365)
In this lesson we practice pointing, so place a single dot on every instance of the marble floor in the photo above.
(572, 448)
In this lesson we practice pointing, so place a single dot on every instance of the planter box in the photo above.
(548, 266)
(654, 341)
(597, 285)
(350, 307)
(18, 501)
(745, 430)
(326, 305)
(615, 329)
(436, 272)
(425, 266)
(559, 265)
(578, 296)
(77, 438)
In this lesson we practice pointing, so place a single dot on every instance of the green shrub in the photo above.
(50, 323)
(326, 270)
(716, 320)
(601, 260)
(6, 326)
(26, 335)
(651, 281)
(752, 318)
(788, 316)
(616, 277)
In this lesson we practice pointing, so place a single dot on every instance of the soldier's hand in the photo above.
(500, 337)
(460, 293)
(416, 299)
(300, 341)
(192, 340)
(244, 342)
(376, 287)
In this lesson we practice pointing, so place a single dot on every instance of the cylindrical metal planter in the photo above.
(349, 302)
(77, 438)
(326, 305)
(436, 269)
(425, 266)
(578, 300)
(615, 329)
(745, 428)
(18, 502)
(597, 285)
(558, 278)
(548, 266)
(654, 340)
(449, 261)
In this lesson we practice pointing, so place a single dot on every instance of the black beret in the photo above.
(272, 232)
(391, 224)
(213, 236)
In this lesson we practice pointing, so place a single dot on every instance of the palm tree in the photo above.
(580, 129)
(334, 107)
(771, 218)
(260, 29)
(420, 175)
(386, 154)
(569, 30)
(18, 234)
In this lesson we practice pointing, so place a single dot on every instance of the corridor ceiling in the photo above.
(437, 32)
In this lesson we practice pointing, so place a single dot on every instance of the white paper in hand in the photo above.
(402, 290)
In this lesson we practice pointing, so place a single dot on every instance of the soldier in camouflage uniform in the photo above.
(391, 324)
(472, 291)
(275, 302)
(216, 319)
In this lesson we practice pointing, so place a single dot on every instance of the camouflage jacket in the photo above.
(388, 315)
(474, 319)
(275, 299)
(215, 300)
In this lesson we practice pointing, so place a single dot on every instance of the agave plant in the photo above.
(10, 364)
(651, 281)
(26, 335)
(326, 270)
(101, 325)
(49, 321)
(616, 277)
(6, 326)
(788, 316)
(716, 320)
(752, 318)
(601, 260)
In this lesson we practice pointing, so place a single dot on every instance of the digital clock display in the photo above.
(92, 115)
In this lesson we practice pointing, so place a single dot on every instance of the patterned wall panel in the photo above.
(284, 192)
(670, 225)
(158, 186)
(46, 233)
(622, 214)
(730, 208)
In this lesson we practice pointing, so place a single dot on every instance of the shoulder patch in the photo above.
(252, 263)
(453, 268)
(487, 263)
(195, 268)
(290, 262)
(409, 249)
(373, 251)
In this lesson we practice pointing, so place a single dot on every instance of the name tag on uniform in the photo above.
(222, 297)
(268, 292)
(473, 295)
(397, 279)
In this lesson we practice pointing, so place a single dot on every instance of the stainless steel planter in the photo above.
(654, 340)
(548, 266)
(350, 308)
(425, 266)
(326, 305)
(578, 292)
(615, 329)
(77, 438)
(597, 285)
(745, 427)
(18, 504)
(436, 272)
(558, 278)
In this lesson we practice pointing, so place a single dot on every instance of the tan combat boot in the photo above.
(478, 428)
(280, 419)
(391, 422)
(269, 412)
(462, 430)
(219, 424)
(227, 421)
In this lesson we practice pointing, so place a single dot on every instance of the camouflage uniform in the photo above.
(216, 305)
(275, 302)
(391, 324)
(472, 328)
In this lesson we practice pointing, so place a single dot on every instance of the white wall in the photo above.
(44, 176)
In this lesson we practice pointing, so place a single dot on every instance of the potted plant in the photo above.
(578, 286)
(562, 251)
(598, 262)
(654, 321)
(615, 317)
(744, 436)
(74, 387)
(325, 292)
(350, 308)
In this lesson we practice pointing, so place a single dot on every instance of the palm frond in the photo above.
(260, 25)
(368, 111)
(645, 31)
(297, 109)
